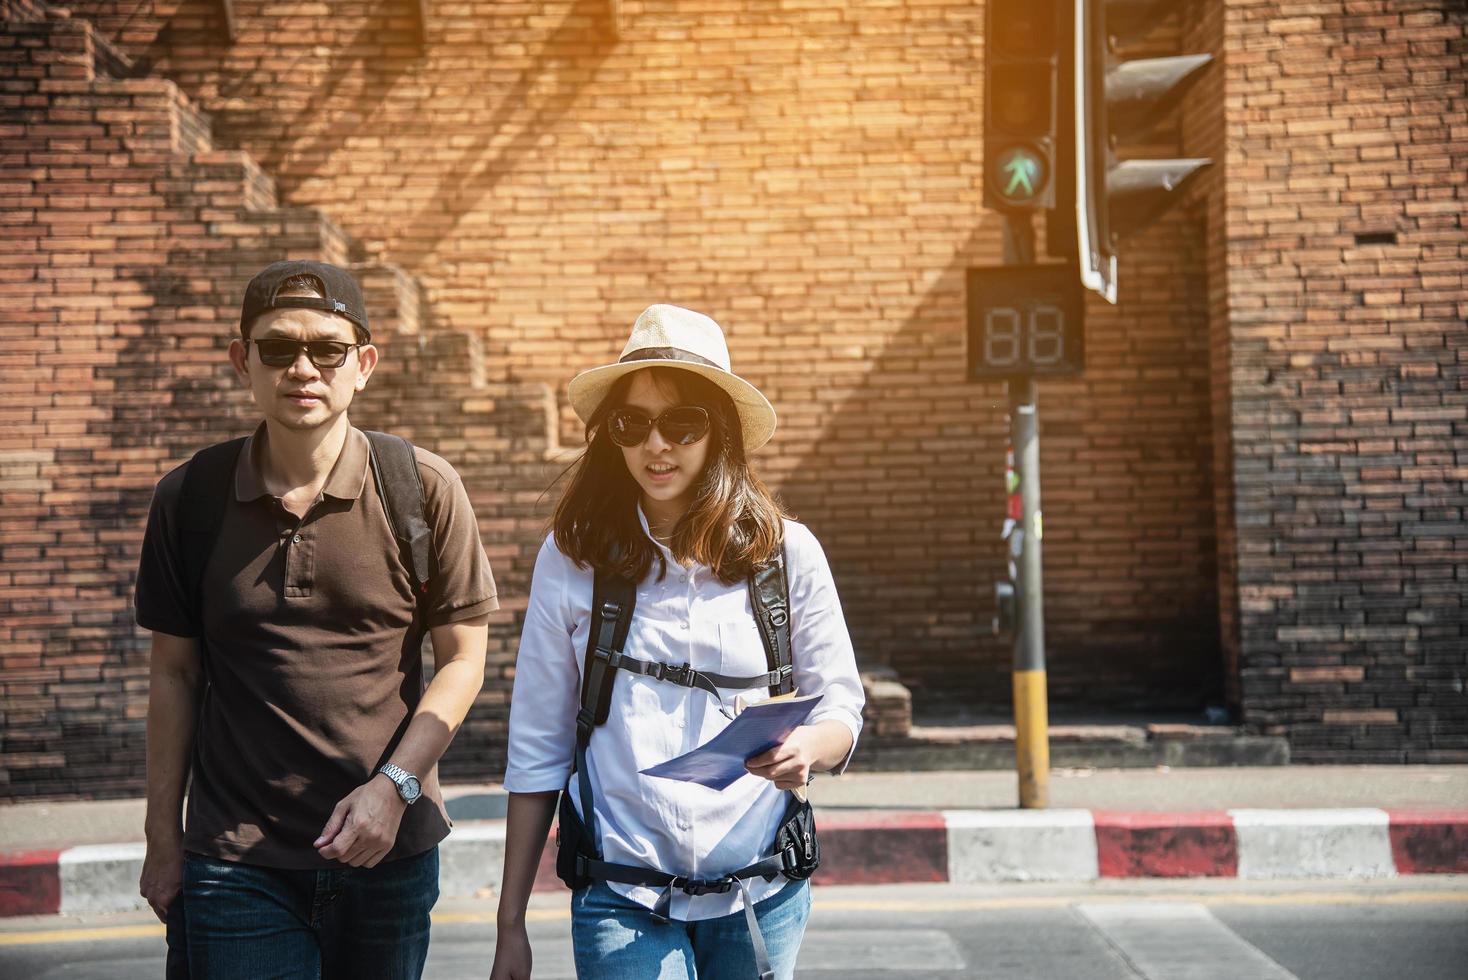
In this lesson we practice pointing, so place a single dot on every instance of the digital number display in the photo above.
(1024, 320)
(1015, 337)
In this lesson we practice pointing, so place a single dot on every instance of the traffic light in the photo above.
(1021, 53)
(1116, 101)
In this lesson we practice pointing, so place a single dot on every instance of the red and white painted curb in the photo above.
(891, 847)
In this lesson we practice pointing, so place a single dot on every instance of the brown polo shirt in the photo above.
(311, 650)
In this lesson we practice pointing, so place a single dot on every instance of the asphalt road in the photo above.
(1405, 929)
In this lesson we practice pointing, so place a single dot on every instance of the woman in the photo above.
(664, 498)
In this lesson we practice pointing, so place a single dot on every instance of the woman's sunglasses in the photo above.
(283, 353)
(682, 425)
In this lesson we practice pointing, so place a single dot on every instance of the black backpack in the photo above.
(210, 477)
(795, 852)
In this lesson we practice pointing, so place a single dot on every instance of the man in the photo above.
(286, 675)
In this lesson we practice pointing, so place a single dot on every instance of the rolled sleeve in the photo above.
(463, 584)
(547, 688)
(825, 662)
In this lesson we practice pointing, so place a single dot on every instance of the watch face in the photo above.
(411, 788)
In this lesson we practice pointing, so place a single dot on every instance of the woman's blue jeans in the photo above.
(244, 922)
(614, 938)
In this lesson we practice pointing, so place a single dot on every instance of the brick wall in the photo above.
(516, 181)
(1203, 135)
(1343, 234)
(126, 243)
(86, 161)
(807, 173)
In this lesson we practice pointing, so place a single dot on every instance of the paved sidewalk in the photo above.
(962, 826)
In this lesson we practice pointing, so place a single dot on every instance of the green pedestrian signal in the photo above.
(1022, 48)
(1020, 176)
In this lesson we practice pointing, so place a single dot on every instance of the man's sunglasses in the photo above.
(283, 353)
(682, 425)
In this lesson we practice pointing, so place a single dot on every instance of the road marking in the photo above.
(477, 918)
(45, 936)
(1060, 901)
(1179, 941)
(899, 950)
(822, 904)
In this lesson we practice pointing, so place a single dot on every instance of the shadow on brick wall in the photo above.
(905, 476)
(532, 106)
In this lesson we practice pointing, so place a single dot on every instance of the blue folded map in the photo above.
(758, 728)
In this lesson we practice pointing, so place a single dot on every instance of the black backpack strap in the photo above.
(207, 484)
(769, 597)
(613, 600)
(395, 469)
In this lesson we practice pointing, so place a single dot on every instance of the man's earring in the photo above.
(361, 383)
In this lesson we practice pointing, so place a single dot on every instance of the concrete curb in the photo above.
(891, 847)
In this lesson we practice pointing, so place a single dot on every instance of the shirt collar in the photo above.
(642, 519)
(692, 567)
(345, 482)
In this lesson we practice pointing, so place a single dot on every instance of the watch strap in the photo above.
(400, 777)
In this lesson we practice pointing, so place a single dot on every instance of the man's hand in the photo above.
(511, 954)
(364, 825)
(162, 879)
(788, 764)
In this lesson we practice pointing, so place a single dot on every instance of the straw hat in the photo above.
(670, 336)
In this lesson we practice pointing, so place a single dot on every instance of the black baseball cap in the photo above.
(343, 296)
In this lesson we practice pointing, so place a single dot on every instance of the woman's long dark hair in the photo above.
(732, 525)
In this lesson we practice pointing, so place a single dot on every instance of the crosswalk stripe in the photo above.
(902, 951)
(1179, 941)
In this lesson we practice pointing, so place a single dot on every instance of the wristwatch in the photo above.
(408, 786)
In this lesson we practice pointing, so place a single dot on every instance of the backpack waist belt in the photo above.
(780, 862)
(629, 874)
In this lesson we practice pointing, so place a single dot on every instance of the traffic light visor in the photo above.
(1021, 99)
(1022, 29)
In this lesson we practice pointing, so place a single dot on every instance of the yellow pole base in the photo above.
(1032, 739)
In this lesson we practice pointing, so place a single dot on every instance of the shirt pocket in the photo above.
(646, 718)
(742, 654)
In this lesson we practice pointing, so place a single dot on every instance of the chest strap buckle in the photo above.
(701, 886)
(674, 673)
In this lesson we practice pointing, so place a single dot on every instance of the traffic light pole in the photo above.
(1057, 104)
(1031, 713)
(1019, 238)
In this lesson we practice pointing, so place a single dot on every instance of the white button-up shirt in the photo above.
(687, 617)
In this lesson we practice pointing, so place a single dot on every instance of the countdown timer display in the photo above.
(1025, 320)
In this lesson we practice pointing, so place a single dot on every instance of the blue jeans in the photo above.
(614, 938)
(244, 922)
